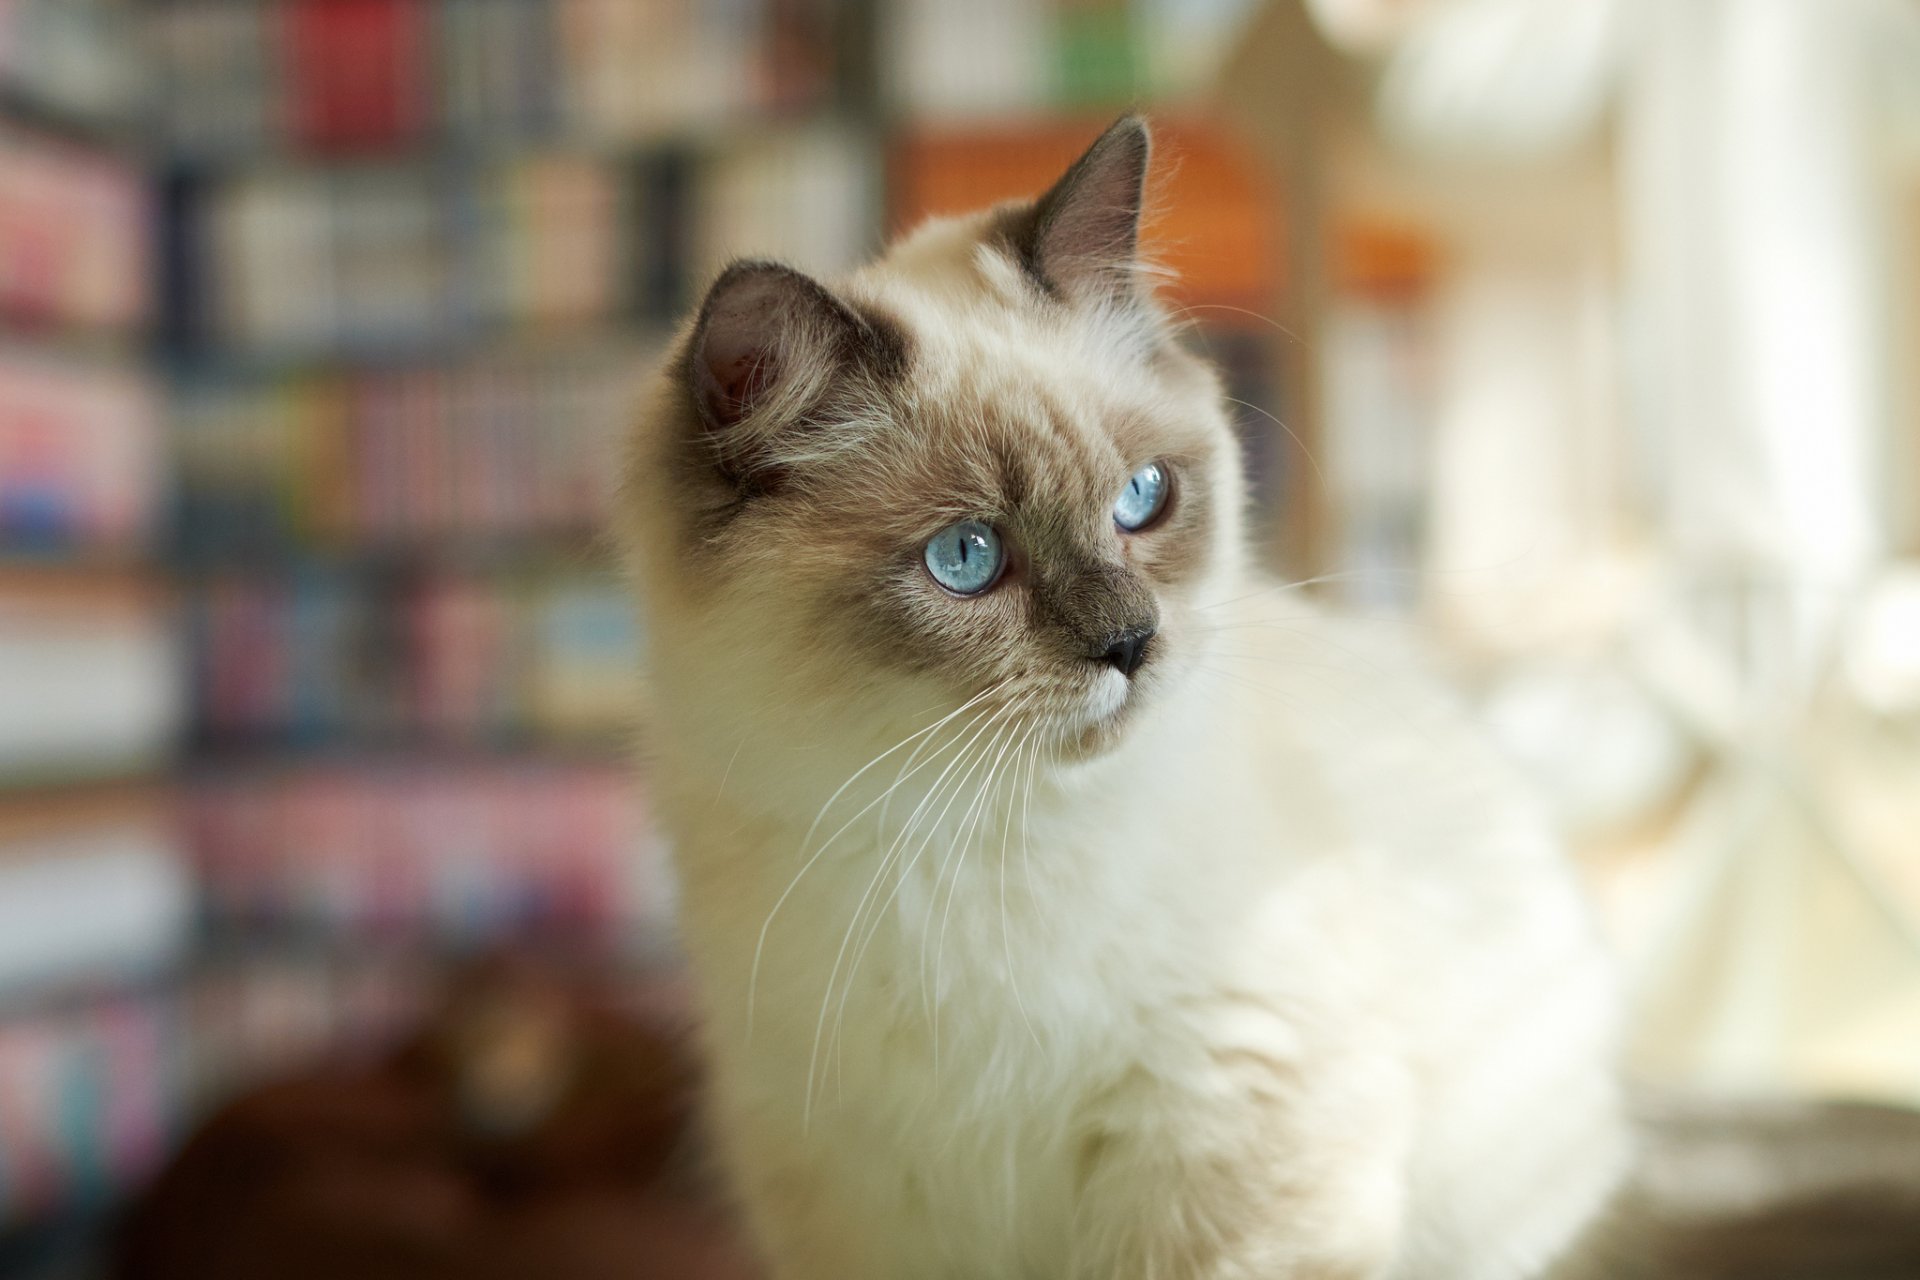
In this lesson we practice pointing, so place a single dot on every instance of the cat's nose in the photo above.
(1126, 650)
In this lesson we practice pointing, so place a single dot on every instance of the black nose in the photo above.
(1126, 650)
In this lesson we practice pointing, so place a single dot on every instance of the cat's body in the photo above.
(1226, 990)
(1120, 919)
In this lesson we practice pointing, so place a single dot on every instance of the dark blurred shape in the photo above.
(532, 1127)
(1761, 1189)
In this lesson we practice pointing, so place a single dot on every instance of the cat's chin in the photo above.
(1102, 719)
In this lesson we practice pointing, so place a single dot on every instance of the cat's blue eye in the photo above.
(1143, 498)
(965, 558)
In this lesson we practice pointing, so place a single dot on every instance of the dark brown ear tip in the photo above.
(1130, 133)
(743, 271)
(1133, 126)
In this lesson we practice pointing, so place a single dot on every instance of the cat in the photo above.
(1064, 898)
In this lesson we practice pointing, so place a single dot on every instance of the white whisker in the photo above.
(966, 751)
(753, 977)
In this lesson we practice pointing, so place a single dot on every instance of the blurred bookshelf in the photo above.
(320, 321)
(415, 260)
(95, 888)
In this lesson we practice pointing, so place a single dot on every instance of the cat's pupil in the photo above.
(964, 558)
(1141, 501)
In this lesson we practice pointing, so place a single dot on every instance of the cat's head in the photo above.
(980, 468)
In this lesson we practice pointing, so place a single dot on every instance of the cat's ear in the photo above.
(1081, 239)
(772, 349)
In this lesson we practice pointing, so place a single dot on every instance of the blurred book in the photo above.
(496, 68)
(265, 247)
(89, 675)
(93, 892)
(87, 1103)
(355, 72)
(215, 75)
(551, 242)
(947, 61)
(82, 462)
(391, 262)
(455, 853)
(484, 452)
(74, 236)
(802, 194)
(255, 1012)
(377, 260)
(77, 59)
(641, 70)
(332, 77)
(335, 658)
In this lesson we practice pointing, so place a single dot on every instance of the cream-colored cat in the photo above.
(1067, 900)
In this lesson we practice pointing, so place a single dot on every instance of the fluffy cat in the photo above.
(1065, 899)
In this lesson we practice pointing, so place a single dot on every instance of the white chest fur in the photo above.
(1334, 981)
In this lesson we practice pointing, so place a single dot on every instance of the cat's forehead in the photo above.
(1009, 395)
(991, 419)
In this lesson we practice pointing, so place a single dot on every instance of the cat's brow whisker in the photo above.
(1426, 575)
(1192, 307)
(728, 771)
(1326, 488)
(1271, 589)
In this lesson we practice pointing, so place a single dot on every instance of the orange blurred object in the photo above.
(1222, 234)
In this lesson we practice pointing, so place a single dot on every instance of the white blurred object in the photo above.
(803, 194)
(1597, 745)
(1365, 25)
(1509, 77)
(1757, 240)
(1754, 198)
(90, 906)
(1185, 42)
(1882, 657)
(964, 61)
(88, 690)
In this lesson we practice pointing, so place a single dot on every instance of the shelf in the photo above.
(222, 759)
(20, 111)
(57, 809)
(37, 337)
(456, 347)
(60, 583)
(455, 149)
(482, 555)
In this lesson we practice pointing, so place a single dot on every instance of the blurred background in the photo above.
(1582, 338)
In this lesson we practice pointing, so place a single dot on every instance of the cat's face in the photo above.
(979, 476)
